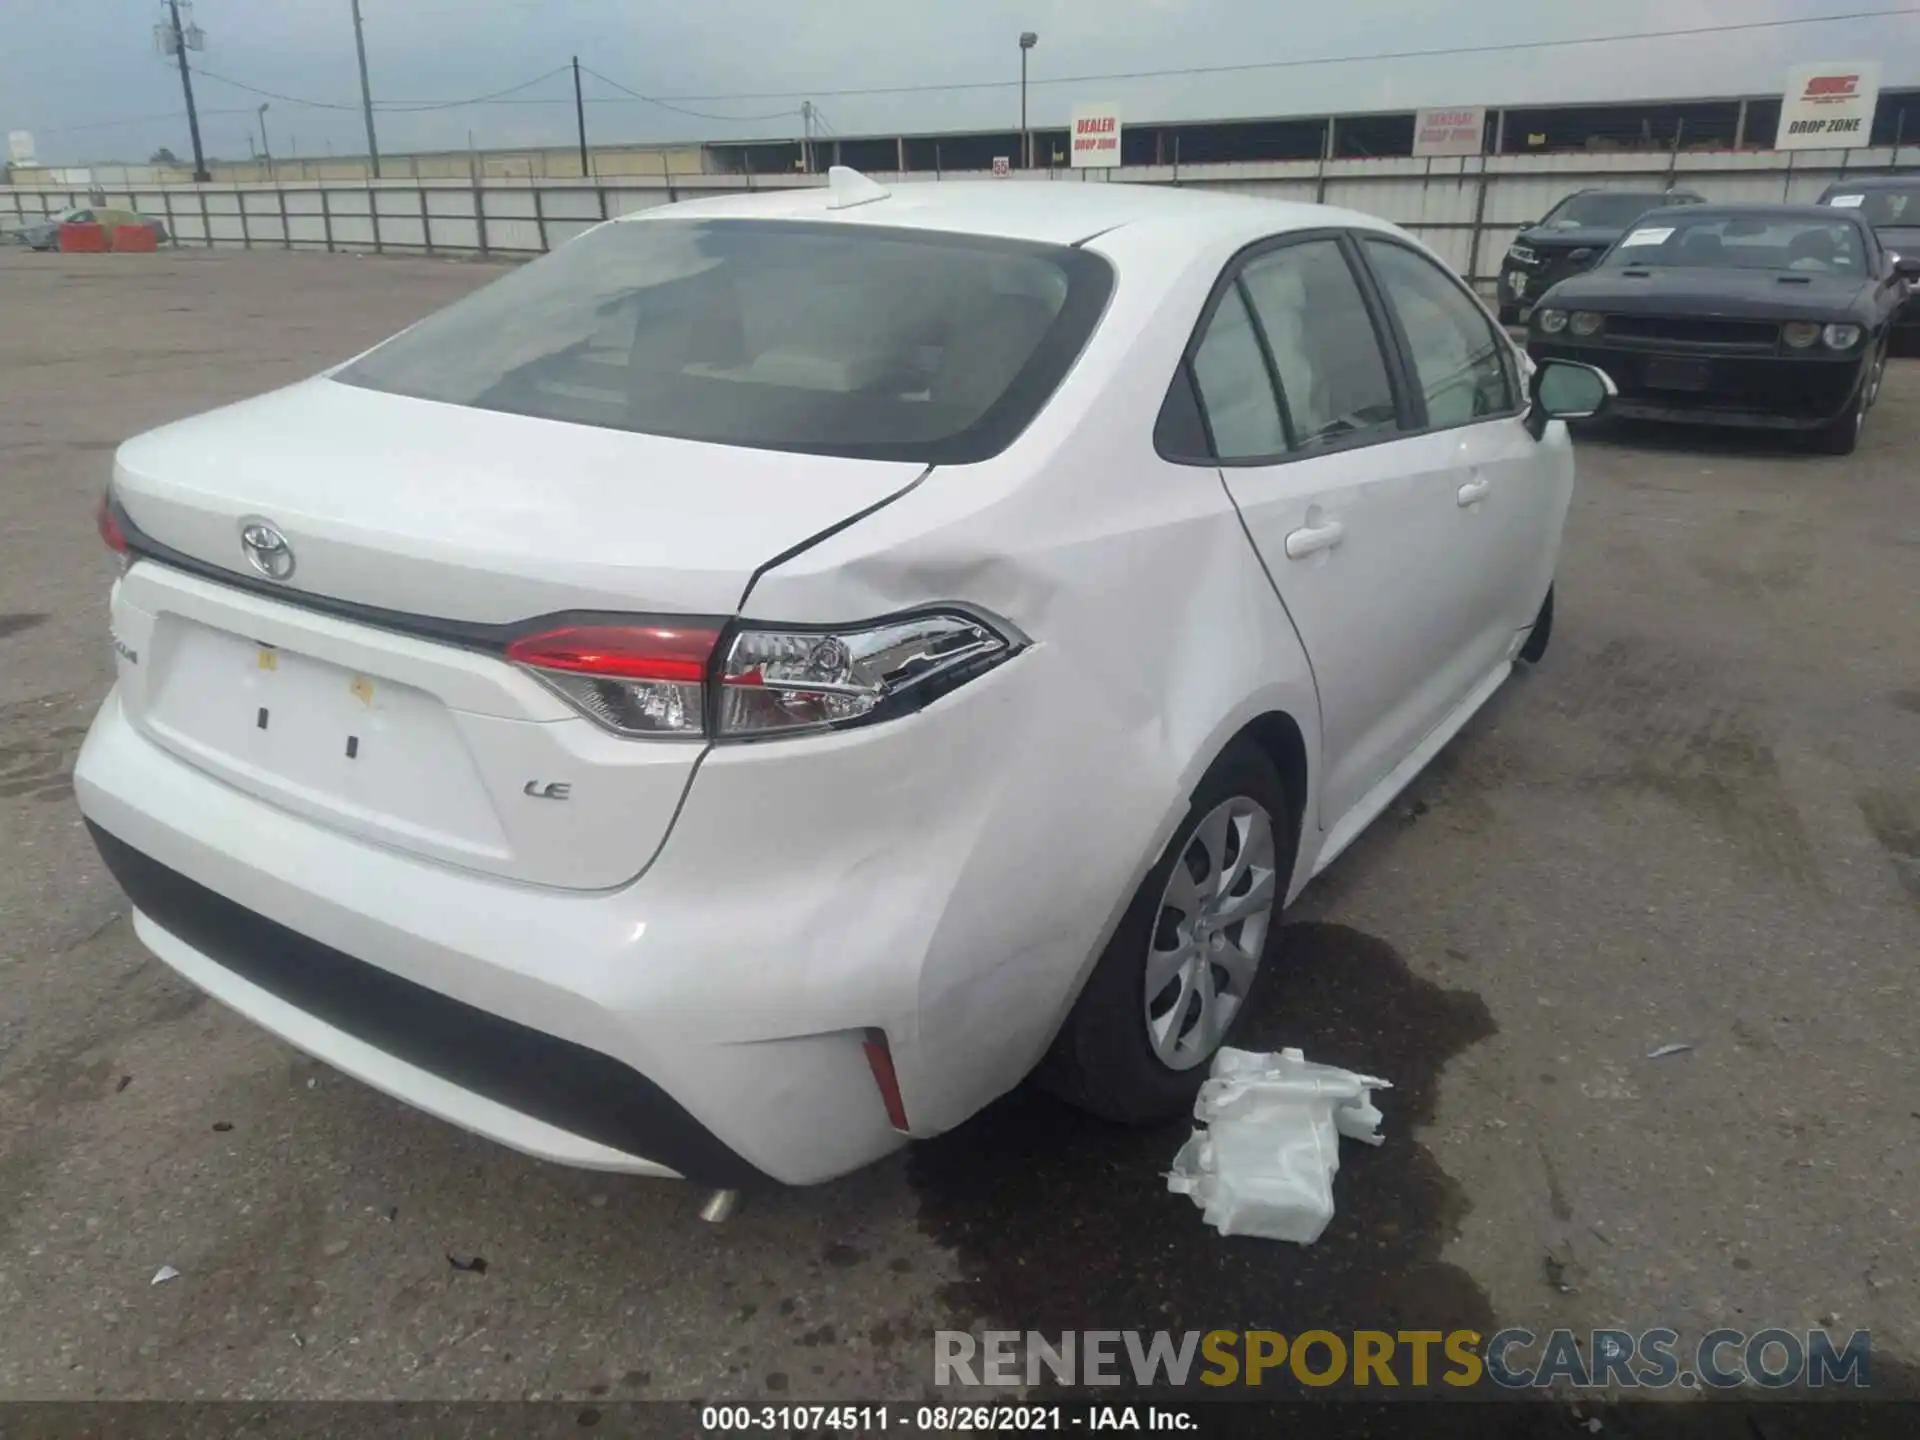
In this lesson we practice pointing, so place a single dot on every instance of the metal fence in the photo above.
(1466, 209)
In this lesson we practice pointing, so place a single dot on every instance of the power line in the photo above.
(677, 109)
(132, 120)
(1502, 48)
(395, 106)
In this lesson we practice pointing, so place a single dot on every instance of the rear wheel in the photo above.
(1182, 962)
(1542, 632)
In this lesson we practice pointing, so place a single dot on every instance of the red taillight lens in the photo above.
(621, 652)
(633, 679)
(108, 525)
(885, 1079)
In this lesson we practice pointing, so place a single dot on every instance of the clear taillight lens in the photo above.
(784, 680)
(655, 680)
(633, 679)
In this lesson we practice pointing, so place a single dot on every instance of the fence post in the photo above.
(480, 216)
(373, 217)
(166, 208)
(539, 215)
(206, 221)
(1479, 224)
(326, 217)
(286, 230)
(426, 221)
(246, 231)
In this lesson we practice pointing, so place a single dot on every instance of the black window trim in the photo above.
(1394, 362)
(1417, 390)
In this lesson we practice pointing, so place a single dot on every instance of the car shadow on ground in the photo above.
(1678, 439)
(1064, 1222)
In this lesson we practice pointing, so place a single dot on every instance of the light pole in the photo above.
(1027, 41)
(265, 149)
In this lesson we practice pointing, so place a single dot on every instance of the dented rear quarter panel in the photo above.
(1156, 638)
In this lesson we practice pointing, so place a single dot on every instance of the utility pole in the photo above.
(580, 119)
(200, 174)
(1027, 41)
(806, 130)
(265, 148)
(366, 90)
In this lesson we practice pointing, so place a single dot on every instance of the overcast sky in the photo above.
(82, 75)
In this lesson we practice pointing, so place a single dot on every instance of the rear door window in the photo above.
(1236, 390)
(1326, 354)
(831, 338)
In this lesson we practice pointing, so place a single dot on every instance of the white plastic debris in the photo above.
(164, 1274)
(1262, 1159)
(1665, 1050)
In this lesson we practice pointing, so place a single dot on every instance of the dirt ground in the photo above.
(1697, 823)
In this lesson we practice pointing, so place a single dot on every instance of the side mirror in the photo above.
(1567, 390)
(1907, 267)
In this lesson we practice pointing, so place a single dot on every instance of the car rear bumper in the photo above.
(1766, 392)
(661, 1028)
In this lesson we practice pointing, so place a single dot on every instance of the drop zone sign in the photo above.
(1829, 107)
(1096, 137)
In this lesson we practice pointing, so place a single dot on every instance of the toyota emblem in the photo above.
(267, 549)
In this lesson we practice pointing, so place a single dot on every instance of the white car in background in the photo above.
(748, 688)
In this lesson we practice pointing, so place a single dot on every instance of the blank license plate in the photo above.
(1664, 373)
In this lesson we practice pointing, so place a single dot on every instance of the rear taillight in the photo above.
(635, 680)
(108, 524)
(775, 680)
(761, 681)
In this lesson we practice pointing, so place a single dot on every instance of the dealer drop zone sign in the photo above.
(1829, 107)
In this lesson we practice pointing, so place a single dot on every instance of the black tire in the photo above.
(1102, 1060)
(1536, 647)
(1842, 437)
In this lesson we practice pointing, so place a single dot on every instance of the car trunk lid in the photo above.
(366, 689)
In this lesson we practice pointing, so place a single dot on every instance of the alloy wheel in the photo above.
(1210, 931)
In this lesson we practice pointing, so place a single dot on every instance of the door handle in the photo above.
(1314, 538)
(1474, 491)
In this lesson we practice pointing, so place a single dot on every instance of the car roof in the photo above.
(1824, 213)
(1056, 212)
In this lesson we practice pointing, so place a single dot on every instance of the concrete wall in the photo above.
(1466, 209)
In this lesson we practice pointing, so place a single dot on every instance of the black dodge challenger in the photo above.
(1769, 316)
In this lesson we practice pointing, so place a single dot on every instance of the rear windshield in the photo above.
(1742, 242)
(835, 339)
(1603, 210)
(1880, 207)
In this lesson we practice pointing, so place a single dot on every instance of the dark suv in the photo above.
(1891, 204)
(1576, 232)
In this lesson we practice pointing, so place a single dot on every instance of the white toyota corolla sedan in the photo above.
(746, 689)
